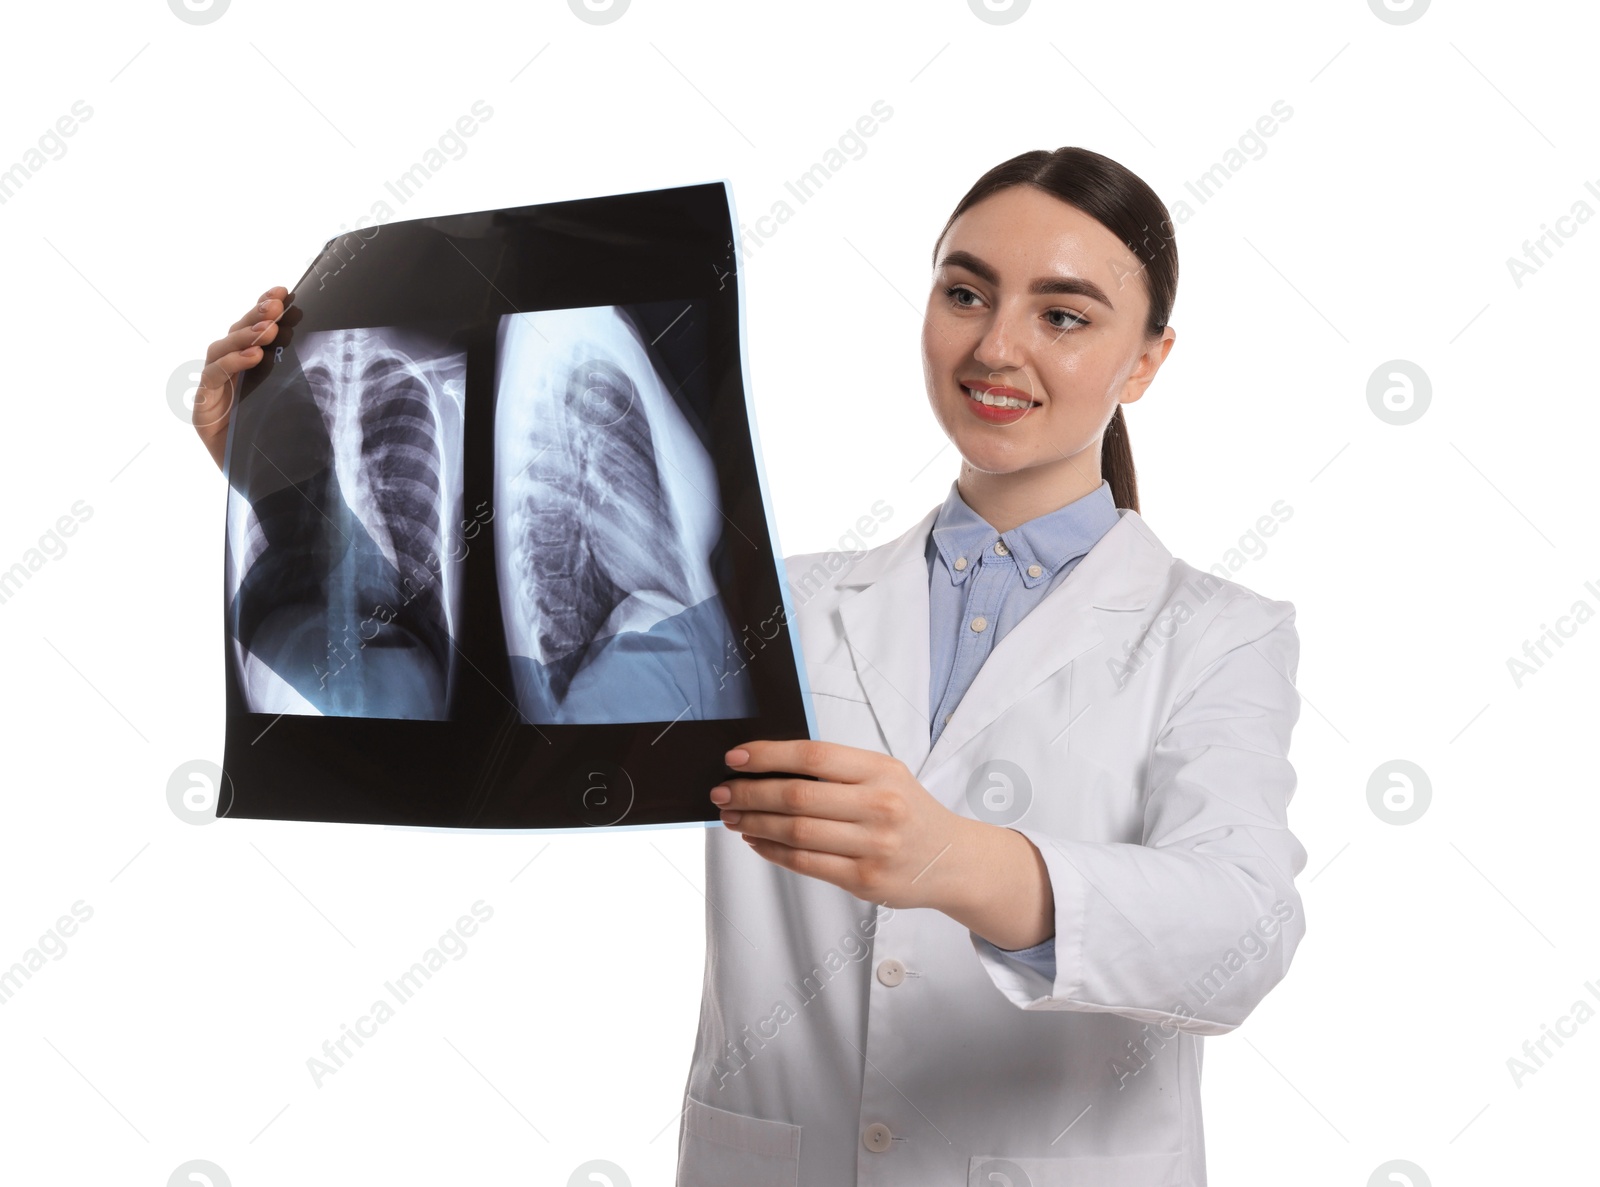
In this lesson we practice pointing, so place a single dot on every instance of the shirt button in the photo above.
(961, 563)
(1034, 570)
(948, 716)
(876, 1137)
(1001, 549)
(891, 972)
(979, 623)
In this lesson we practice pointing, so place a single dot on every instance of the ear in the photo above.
(1155, 353)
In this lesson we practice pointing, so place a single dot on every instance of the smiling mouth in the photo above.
(995, 400)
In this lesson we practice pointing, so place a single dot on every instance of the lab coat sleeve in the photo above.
(1189, 929)
(1041, 957)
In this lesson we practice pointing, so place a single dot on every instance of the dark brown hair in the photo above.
(1120, 201)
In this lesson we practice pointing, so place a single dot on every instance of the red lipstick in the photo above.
(996, 414)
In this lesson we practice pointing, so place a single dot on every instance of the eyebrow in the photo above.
(1050, 284)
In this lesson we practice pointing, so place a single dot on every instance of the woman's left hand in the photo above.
(864, 824)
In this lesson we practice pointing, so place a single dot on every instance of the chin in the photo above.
(983, 452)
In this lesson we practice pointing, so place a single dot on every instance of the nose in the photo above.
(998, 349)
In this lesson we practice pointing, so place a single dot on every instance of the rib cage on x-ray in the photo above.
(355, 562)
(608, 513)
(379, 412)
(595, 471)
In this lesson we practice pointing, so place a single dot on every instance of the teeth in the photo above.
(994, 401)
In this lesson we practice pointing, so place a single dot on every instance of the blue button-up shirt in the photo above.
(980, 584)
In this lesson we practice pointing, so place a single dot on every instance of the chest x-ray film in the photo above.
(498, 550)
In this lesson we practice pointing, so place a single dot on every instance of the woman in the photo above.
(1043, 847)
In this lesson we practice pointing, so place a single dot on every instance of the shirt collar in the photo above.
(1047, 541)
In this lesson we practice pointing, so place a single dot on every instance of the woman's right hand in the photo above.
(239, 350)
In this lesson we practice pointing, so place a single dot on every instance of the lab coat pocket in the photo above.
(835, 680)
(723, 1149)
(844, 714)
(1131, 1170)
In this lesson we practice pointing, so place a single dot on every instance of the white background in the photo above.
(1376, 226)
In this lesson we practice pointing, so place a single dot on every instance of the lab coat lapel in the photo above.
(886, 623)
(885, 618)
(1122, 572)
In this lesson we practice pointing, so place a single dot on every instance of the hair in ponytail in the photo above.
(1119, 200)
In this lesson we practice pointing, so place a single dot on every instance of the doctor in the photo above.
(1044, 847)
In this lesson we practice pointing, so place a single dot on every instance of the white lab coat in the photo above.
(1148, 707)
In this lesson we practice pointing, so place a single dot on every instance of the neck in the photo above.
(1007, 500)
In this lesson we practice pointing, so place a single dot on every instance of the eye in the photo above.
(1074, 320)
(1071, 319)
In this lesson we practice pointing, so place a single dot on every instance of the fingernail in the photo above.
(261, 325)
(730, 818)
(720, 795)
(737, 758)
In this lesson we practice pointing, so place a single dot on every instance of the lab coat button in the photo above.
(891, 972)
(876, 1137)
(979, 623)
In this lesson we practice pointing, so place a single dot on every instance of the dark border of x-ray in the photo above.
(346, 770)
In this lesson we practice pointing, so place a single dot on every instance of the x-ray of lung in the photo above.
(498, 551)
(343, 595)
(608, 514)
